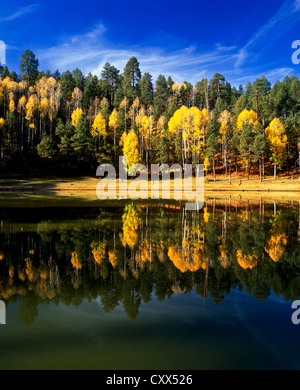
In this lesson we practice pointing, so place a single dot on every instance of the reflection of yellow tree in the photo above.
(177, 289)
(75, 261)
(98, 251)
(246, 261)
(30, 271)
(276, 246)
(112, 257)
(189, 257)
(144, 254)
(223, 258)
(131, 220)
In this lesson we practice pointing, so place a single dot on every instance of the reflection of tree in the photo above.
(277, 242)
(246, 261)
(131, 221)
(150, 252)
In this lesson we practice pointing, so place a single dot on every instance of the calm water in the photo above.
(150, 286)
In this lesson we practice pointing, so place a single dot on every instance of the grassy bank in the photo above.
(239, 184)
(17, 192)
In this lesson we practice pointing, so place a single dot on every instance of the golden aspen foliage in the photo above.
(99, 127)
(22, 103)
(277, 140)
(225, 121)
(131, 149)
(2, 122)
(31, 107)
(161, 124)
(246, 118)
(44, 107)
(113, 122)
(76, 116)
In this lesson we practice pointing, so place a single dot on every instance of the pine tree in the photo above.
(82, 141)
(29, 66)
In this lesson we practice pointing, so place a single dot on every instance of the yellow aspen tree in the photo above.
(176, 125)
(131, 149)
(53, 97)
(12, 105)
(246, 117)
(75, 116)
(113, 125)
(99, 128)
(277, 140)
(138, 121)
(21, 111)
(41, 88)
(225, 121)
(148, 127)
(124, 106)
(43, 109)
(134, 109)
(31, 108)
(2, 123)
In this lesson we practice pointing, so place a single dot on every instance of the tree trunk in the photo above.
(248, 169)
(260, 173)
(275, 171)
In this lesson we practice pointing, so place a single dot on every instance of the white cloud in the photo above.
(22, 11)
(283, 20)
(90, 51)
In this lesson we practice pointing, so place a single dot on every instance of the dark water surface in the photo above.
(150, 286)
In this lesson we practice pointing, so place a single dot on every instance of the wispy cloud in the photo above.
(267, 35)
(90, 51)
(20, 12)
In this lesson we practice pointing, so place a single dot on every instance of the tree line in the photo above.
(72, 121)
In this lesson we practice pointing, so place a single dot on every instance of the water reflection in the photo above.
(125, 256)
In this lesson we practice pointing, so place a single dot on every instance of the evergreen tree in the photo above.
(161, 96)
(82, 141)
(110, 77)
(132, 79)
(147, 90)
(29, 66)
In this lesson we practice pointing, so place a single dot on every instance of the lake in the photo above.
(139, 285)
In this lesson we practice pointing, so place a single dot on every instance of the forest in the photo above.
(69, 123)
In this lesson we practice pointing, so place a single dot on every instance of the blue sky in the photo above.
(241, 40)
